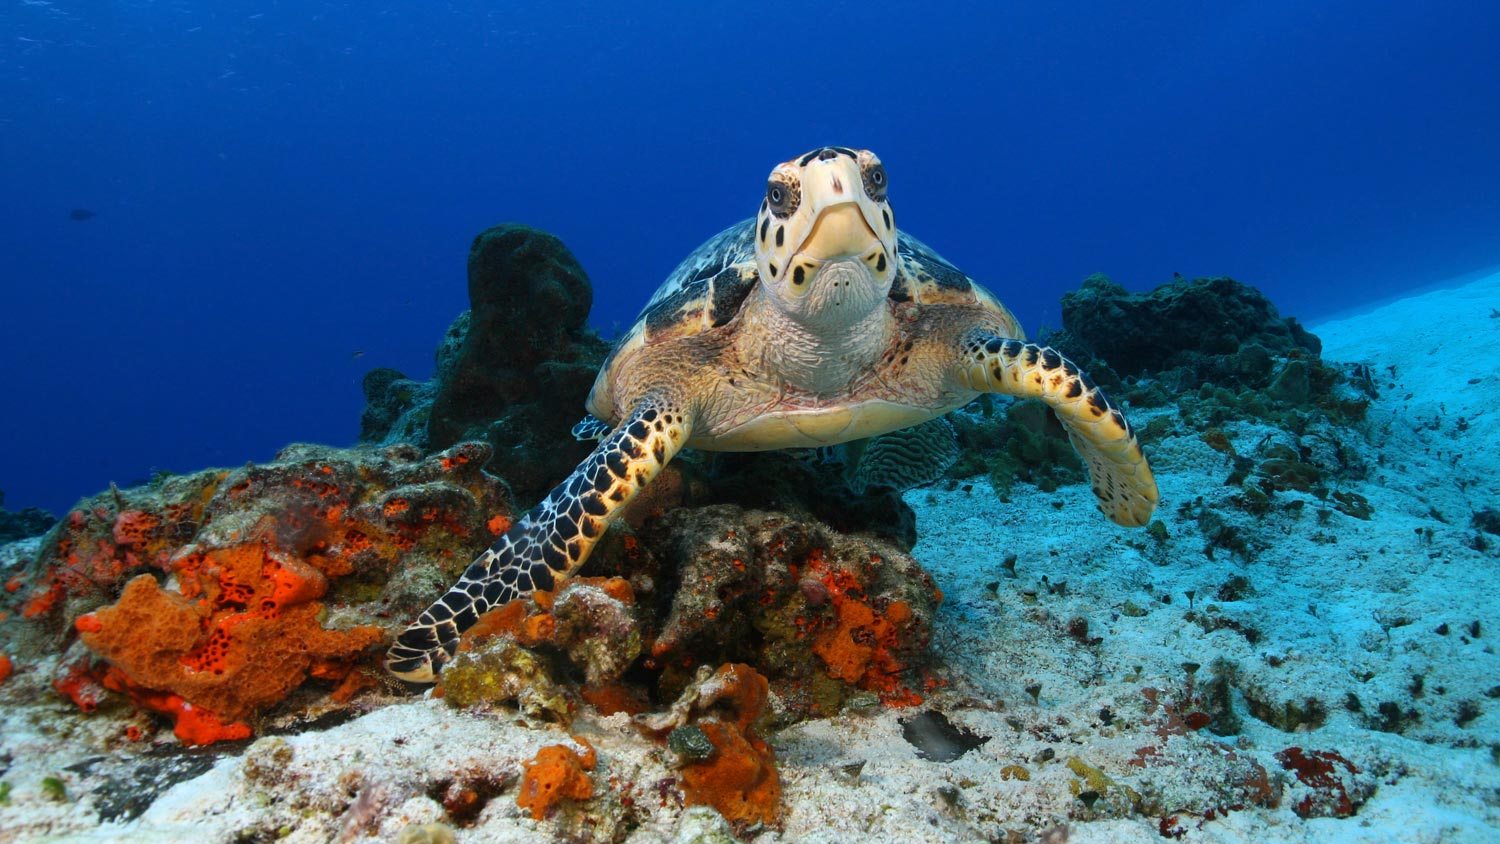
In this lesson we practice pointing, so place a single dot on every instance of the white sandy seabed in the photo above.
(1398, 609)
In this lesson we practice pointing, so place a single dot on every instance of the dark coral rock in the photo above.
(1284, 470)
(123, 786)
(1292, 384)
(790, 482)
(689, 742)
(824, 616)
(1215, 347)
(388, 395)
(1353, 504)
(1021, 441)
(1288, 716)
(32, 521)
(1177, 324)
(526, 361)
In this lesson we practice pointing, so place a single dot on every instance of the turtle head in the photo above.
(825, 237)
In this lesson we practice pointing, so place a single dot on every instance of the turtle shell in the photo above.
(708, 288)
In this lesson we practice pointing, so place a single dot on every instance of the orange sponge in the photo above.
(739, 779)
(239, 636)
(557, 772)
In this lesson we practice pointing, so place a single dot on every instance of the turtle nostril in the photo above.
(827, 153)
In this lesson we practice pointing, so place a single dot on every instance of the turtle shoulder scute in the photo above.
(706, 290)
(927, 278)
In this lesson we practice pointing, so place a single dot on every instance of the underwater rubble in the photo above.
(793, 646)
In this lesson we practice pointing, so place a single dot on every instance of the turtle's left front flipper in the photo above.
(1121, 478)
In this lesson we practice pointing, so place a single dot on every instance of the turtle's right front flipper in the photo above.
(552, 541)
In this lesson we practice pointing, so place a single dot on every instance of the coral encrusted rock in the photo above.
(239, 633)
(515, 369)
(724, 762)
(211, 596)
(1174, 325)
(32, 521)
(824, 616)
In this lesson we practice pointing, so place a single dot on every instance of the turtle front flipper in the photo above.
(551, 541)
(590, 428)
(1121, 478)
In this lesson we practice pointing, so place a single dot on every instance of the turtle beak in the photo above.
(839, 232)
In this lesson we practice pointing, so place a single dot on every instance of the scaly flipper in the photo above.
(590, 428)
(551, 541)
(1121, 478)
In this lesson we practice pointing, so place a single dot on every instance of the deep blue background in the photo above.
(286, 191)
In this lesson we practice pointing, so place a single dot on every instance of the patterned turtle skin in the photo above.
(815, 323)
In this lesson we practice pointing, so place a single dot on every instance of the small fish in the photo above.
(358, 353)
(78, 215)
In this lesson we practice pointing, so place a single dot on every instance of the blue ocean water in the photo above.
(282, 193)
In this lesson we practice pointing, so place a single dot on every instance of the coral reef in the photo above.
(514, 652)
(1072, 699)
(1215, 347)
(1025, 442)
(513, 370)
(209, 597)
(391, 402)
(827, 618)
(823, 615)
(1198, 324)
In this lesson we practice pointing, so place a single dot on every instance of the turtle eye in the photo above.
(782, 197)
(875, 181)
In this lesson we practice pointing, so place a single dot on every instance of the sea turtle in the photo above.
(814, 323)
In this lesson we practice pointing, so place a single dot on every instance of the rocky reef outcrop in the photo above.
(1214, 351)
(1184, 323)
(210, 597)
(31, 521)
(829, 619)
(512, 371)
(1215, 343)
